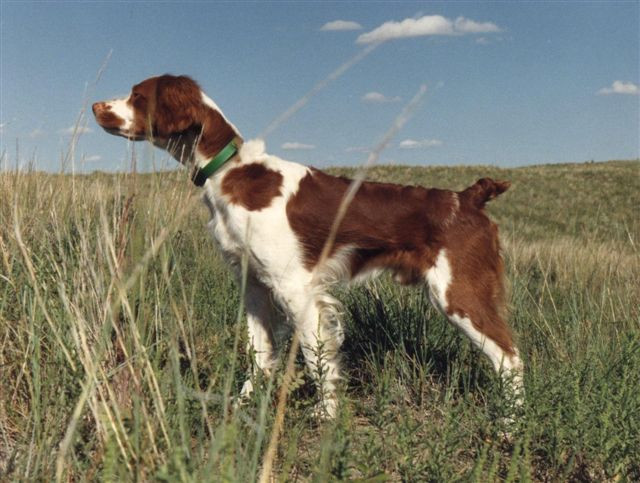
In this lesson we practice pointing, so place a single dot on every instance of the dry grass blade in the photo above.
(300, 103)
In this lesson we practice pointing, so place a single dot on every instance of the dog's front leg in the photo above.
(261, 326)
(317, 318)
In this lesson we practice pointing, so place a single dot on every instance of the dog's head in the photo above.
(161, 109)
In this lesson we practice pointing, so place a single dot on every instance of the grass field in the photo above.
(122, 340)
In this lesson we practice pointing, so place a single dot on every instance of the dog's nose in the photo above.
(98, 107)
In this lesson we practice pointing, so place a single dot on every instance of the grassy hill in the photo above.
(122, 340)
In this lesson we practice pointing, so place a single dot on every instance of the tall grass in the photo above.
(122, 343)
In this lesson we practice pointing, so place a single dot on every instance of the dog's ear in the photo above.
(178, 105)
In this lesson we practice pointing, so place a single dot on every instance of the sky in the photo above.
(508, 83)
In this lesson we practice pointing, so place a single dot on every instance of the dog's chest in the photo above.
(264, 236)
(225, 231)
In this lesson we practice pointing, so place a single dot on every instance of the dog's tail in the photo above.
(484, 190)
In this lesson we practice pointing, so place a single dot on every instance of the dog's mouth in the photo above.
(114, 124)
(125, 134)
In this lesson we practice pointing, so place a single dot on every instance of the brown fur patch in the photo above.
(477, 287)
(389, 225)
(484, 190)
(252, 185)
(402, 228)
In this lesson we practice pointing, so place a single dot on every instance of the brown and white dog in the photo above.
(280, 213)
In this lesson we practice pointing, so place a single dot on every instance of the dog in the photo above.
(279, 215)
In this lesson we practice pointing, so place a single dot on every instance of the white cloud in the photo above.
(291, 146)
(36, 133)
(341, 25)
(424, 143)
(358, 149)
(76, 129)
(620, 87)
(377, 98)
(410, 27)
(93, 158)
(426, 25)
(466, 26)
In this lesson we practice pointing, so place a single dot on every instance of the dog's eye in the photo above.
(136, 96)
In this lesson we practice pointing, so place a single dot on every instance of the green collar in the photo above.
(201, 175)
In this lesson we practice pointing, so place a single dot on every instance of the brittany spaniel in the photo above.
(280, 214)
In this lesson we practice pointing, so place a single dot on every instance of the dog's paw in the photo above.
(245, 395)
(326, 410)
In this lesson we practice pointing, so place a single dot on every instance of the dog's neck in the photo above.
(196, 146)
(183, 147)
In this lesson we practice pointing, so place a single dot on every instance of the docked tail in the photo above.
(483, 190)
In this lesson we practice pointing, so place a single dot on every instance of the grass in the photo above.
(119, 325)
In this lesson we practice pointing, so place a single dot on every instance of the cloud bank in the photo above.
(426, 25)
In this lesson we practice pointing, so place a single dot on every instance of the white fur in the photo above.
(439, 278)
(123, 110)
(209, 102)
(275, 261)
(274, 251)
(252, 150)
(336, 268)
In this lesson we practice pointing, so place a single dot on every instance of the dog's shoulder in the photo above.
(259, 178)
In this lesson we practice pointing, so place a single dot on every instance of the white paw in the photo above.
(245, 393)
(327, 409)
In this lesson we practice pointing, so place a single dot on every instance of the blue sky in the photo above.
(513, 84)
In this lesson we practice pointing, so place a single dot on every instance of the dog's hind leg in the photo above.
(262, 328)
(471, 299)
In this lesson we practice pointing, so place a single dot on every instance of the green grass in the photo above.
(118, 323)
